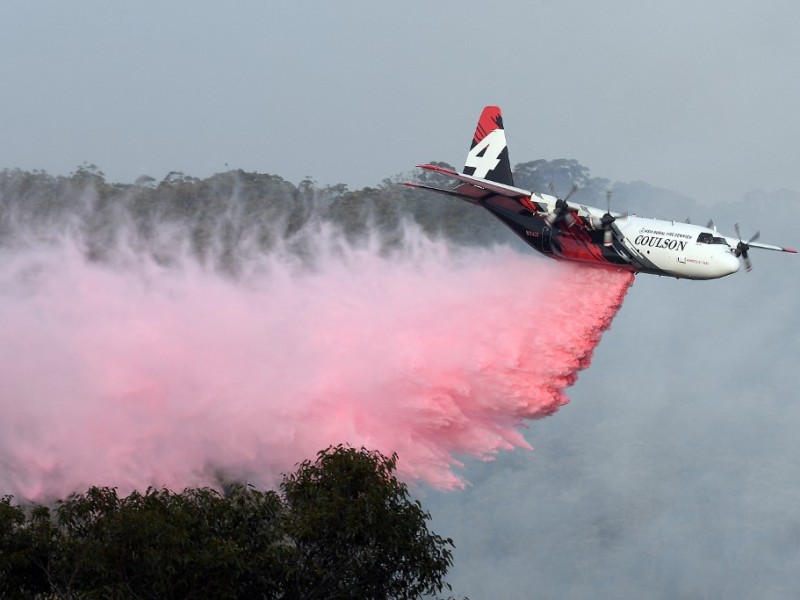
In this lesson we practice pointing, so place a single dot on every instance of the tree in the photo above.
(357, 533)
(197, 544)
(88, 174)
(21, 553)
(342, 527)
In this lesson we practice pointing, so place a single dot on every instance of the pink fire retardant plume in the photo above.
(138, 375)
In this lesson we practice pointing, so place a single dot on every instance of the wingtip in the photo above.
(793, 251)
(436, 169)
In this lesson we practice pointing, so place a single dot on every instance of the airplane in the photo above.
(564, 230)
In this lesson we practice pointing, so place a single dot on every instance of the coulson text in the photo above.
(656, 241)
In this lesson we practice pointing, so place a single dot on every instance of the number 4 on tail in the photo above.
(485, 155)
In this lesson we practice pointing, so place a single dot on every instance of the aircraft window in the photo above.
(719, 240)
(704, 238)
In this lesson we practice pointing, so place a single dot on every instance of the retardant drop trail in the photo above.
(144, 375)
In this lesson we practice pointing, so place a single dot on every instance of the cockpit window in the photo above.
(708, 238)
(705, 238)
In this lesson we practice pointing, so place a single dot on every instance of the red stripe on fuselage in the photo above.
(577, 245)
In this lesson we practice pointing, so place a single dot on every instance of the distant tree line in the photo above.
(341, 526)
(218, 218)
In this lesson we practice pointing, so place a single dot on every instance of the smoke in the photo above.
(129, 373)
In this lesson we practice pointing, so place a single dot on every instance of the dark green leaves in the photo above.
(342, 527)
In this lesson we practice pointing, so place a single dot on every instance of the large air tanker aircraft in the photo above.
(564, 230)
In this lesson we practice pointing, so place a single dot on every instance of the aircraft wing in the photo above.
(476, 190)
(770, 247)
(733, 242)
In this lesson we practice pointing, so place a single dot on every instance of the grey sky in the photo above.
(697, 97)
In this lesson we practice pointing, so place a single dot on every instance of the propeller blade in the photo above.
(743, 247)
(710, 224)
(572, 191)
(688, 220)
(607, 222)
(561, 211)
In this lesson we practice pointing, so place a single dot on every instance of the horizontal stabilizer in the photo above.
(430, 188)
(483, 184)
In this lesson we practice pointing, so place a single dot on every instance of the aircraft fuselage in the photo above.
(641, 245)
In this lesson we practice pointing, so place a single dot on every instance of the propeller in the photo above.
(710, 225)
(743, 247)
(607, 221)
(562, 209)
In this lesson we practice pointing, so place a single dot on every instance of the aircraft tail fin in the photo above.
(488, 154)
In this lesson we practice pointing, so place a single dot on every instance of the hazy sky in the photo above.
(699, 97)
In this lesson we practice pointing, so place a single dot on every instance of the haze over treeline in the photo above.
(220, 216)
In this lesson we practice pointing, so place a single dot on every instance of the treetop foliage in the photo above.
(341, 527)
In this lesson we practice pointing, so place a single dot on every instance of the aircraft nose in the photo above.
(731, 264)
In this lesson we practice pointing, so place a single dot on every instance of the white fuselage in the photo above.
(670, 248)
(673, 248)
